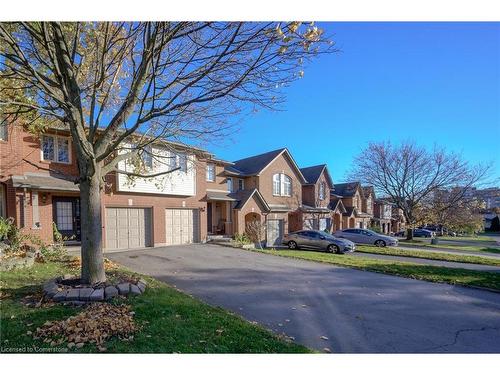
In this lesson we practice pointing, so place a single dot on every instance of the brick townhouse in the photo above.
(37, 175)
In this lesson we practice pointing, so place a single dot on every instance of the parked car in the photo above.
(366, 236)
(401, 233)
(418, 232)
(318, 240)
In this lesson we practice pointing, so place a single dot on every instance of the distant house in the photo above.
(383, 215)
(315, 212)
(353, 199)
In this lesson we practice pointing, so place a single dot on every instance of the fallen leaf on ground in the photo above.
(97, 323)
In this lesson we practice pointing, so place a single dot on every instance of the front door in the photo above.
(66, 216)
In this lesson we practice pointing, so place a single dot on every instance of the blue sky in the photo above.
(435, 83)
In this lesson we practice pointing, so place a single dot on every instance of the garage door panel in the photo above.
(274, 232)
(128, 228)
(181, 226)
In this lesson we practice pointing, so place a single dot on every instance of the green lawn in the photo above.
(424, 254)
(458, 276)
(478, 248)
(171, 321)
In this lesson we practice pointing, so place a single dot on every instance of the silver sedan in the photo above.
(319, 240)
(366, 236)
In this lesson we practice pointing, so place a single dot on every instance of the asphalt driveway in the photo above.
(322, 306)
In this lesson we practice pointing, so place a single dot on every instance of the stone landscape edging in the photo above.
(53, 291)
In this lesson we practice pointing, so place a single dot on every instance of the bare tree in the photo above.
(255, 229)
(118, 87)
(409, 174)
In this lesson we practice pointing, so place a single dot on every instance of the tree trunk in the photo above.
(409, 233)
(91, 224)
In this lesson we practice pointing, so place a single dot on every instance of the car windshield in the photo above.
(370, 231)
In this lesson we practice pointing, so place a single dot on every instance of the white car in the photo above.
(366, 236)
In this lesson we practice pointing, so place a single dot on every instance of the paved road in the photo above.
(359, 312)
(439, 263)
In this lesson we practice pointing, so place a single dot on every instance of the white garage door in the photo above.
(182, 226)
(128, 228)
(274, 232)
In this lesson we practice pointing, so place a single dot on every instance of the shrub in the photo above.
(242, 239)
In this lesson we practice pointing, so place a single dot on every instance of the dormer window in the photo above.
(282, 185)
(229, 182)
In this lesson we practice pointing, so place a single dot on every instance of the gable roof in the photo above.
(337, 204)
(254, 165)
(347, 189)
(312, 174)
(367, 190)
(243, 196)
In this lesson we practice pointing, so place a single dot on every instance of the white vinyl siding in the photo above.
(179, 182)
(182, 226)
(282, 185)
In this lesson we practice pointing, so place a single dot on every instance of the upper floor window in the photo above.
(4, 131)
(241, 184)
(55, 149)
(182, 162)
(211, 172)
(322, 189)
(229, 181)
(177, 160)
(282, 185)
(147, 157)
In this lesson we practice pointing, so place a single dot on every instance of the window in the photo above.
(177, 161)
(172, 161)
(182, 162)
(2, 201)
(282, 185)
(321, 191)
(229, 182)
(210, 172)
(55, 149)
(4, 131)
(276, 184)
(36, 213)
(147, 157)
(241, 184)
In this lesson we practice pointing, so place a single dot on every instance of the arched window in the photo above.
(282, 185)
(287, 186)
(321, 193)
(276, 184)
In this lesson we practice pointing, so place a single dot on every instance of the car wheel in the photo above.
(333, 249)
(380, 243)
(292, 245)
